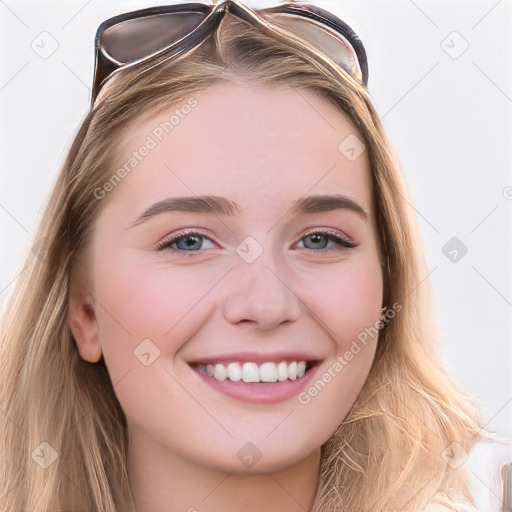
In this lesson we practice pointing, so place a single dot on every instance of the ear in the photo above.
(82, 321)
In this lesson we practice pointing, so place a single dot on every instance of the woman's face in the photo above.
(249, 290)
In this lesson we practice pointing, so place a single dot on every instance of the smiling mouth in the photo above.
(250, 372)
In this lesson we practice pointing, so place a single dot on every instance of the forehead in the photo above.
(259, 145)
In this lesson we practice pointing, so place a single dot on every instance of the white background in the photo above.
(447, 110)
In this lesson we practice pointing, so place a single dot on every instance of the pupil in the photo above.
(316, 238)
(190, 241)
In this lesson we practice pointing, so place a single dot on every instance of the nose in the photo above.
(261, 295)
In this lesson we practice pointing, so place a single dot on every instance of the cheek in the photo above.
(347, 304)
(142, 301)
(346, 300)
(360, 300)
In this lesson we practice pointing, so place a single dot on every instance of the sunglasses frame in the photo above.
(105, 67)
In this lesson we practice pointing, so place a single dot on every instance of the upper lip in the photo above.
(256, 357)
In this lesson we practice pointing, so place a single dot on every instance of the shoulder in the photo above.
(442, 503)
(436, 507)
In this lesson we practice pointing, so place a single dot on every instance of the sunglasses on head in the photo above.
(165, 32)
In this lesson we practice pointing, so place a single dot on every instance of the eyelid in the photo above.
(174, 237)
(328, 231)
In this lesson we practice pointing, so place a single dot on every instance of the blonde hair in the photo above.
(386, 454)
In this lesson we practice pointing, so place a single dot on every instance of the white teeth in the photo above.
(268, 372)
(282, 371)
(251, 372)
(234, 372)
(292, 370)
(220, 372)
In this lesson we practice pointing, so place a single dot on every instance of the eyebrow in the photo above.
(223, 206)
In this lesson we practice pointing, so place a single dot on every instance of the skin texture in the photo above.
(264, 148)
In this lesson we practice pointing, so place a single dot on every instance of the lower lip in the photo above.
(260, 392)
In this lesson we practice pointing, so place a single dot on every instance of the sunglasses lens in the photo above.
(126, 42)
(134, 39)
(328, 41)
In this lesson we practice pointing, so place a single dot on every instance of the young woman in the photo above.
(226, 307)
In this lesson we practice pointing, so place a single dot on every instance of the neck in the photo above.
(162, 481)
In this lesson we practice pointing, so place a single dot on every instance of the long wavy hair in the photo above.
(386, 455)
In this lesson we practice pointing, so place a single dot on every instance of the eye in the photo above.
(189, 241)
(192, 241)
(320, 237)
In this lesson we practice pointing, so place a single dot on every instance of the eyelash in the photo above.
(339, 240)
